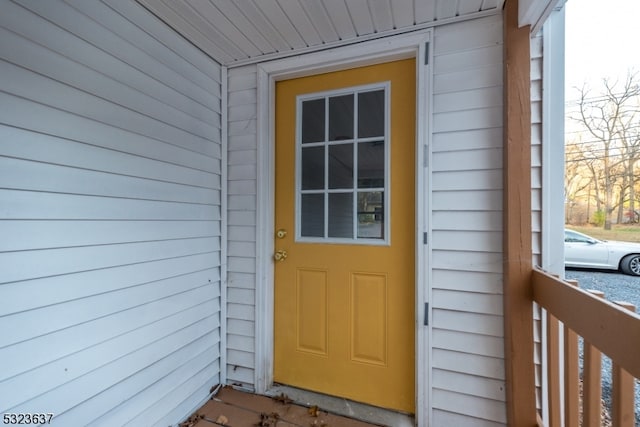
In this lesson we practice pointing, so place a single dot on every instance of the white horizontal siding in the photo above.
(467, 406)
(110, 212)
(466, 179)
(475, 323)
(536, 192)
(536, 145)
(241, 249)
(469, 384)
(455, 418)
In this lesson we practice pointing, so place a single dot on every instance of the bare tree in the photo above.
(605, 118)
(630, 142)
(578, 177)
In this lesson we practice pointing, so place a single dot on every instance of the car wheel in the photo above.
(631, 265)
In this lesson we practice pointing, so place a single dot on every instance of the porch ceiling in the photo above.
(236, 32)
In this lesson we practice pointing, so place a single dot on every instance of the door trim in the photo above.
(368, 53)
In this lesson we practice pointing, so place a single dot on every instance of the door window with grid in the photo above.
(343, 166)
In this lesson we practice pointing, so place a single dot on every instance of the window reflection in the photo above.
(313, 168)
(341, 166)
(341, 215)
(312, 224)
(371, 114)
(371, 164)
(371, 214)
(313, 121)
(341, 117)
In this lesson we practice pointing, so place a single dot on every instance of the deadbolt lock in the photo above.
(280, 255)
(281, 234)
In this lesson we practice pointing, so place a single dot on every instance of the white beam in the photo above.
(536, 12)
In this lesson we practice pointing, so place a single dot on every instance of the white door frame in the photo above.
(411, 45)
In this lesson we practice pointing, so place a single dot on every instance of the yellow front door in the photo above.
(345, 234)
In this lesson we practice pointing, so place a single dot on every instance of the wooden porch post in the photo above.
(518, 299)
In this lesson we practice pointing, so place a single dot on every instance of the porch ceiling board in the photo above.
(243, 31)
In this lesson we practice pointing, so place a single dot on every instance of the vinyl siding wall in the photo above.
(242, 189)
(110, 187)
(468, 382)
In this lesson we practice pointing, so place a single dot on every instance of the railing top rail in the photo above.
(612, 329)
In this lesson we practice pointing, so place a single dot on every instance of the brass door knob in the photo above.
(280, 255)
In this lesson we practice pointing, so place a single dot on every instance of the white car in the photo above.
(585, 251)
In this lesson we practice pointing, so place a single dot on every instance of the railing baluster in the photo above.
(553, 370)
(571, 376)
(622, 413)
(592, 382)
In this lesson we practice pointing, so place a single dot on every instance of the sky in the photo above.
(602, 39)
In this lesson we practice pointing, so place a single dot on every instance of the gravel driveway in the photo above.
(616, 287)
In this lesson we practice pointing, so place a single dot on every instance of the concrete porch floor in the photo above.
(236, 408)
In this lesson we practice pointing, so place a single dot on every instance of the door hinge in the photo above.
(425, 155)
(426, 314)
(425, 238)
(426, 53)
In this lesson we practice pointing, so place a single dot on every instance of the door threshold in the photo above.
(344, 407)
